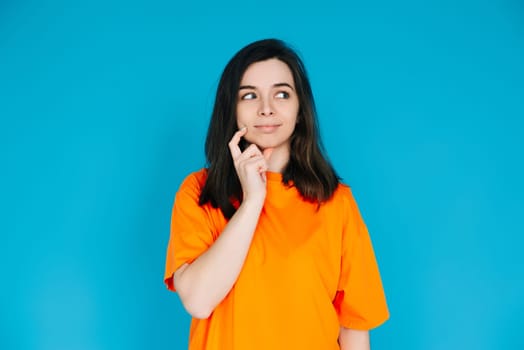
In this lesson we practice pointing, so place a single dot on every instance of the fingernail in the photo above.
(243, 128)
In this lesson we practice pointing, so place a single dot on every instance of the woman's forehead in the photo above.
(267, 73)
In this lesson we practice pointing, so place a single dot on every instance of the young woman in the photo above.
(268, 249)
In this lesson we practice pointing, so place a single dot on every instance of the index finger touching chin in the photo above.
(233, 144)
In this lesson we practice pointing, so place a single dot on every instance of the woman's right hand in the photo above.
(251, 166)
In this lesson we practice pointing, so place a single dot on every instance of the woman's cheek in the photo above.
(249, 137)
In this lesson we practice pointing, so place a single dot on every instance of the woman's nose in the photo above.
(265, 108)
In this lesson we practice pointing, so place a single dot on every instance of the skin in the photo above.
(267, 112)
(268, 106)
(353, 339)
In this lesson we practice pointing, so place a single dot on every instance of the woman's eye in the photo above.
(249, 96)
(282, 94)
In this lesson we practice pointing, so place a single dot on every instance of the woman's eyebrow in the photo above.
(251, 87)
(283, 84)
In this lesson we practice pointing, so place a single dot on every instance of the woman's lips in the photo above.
(267, 129)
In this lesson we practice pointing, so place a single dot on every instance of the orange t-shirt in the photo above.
(309, 270)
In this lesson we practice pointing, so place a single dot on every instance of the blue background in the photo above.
(104, 109)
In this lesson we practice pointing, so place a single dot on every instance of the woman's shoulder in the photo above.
(343, 197)
(342, 192)
(195, 180)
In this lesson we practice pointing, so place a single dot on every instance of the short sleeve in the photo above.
(360, 300)
(191, 230)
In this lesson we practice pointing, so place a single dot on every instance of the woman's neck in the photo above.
(278, 159)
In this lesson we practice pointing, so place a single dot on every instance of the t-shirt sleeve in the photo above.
(191, 231)
(360, 301)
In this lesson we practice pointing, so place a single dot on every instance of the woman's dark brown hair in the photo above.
(308, 168)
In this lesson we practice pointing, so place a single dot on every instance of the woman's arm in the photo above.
(352, 339)
(204, 283)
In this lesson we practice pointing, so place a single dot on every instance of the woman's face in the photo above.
(268, 104)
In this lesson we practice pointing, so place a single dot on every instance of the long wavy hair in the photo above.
(308, 169)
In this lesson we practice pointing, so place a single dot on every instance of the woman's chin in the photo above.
(260, 143)
(263, 145)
